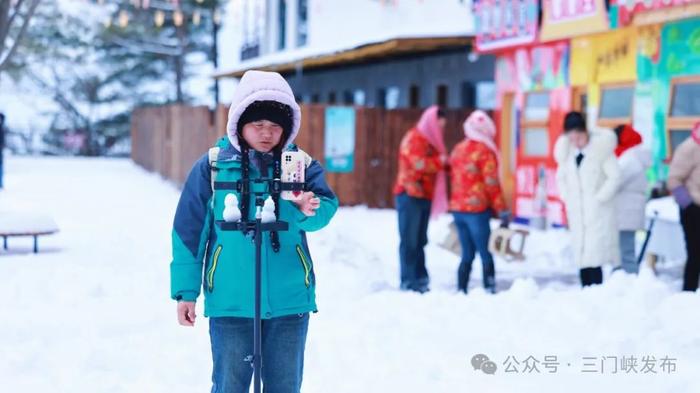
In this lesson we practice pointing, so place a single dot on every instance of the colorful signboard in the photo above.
(570, 18)
(543, 67)
(627, 10)
(504, 24)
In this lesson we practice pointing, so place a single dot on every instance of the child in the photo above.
(263, 122)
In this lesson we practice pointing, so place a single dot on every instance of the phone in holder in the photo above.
(293, 171)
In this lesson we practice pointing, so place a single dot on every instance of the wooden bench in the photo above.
(17, 224)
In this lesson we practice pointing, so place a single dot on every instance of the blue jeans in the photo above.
(627, 251)
(414, 215)
(283, 342)
(474, 231)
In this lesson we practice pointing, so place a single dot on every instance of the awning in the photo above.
(360, 54)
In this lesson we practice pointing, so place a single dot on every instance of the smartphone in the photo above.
(293, 171)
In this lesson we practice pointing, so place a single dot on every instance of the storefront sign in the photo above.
(505, 23)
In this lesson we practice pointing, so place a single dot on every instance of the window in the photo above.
(381, 98)
(348, 98)
(684, 109)
(393, 94)
(332, 98)
(282, 24)
(536, 142)
(302, 22)
(468, 95)
(414, 96)
(534, 123)
(359, 97)
(616, 104)
(685, 101)
(442, 96)
(536, 107)
(486, 95)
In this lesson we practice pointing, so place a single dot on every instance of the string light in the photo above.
(196, 18)
(107, 23)
(123, 19)
(178, 18)
(216, 17)
(159, 18)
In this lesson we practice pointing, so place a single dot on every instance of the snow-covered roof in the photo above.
(336, 26)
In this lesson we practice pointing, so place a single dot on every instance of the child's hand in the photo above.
(185, 313)
(308, 204)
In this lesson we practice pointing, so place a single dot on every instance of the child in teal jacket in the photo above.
(263, 122)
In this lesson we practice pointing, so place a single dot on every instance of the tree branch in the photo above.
(25, 24)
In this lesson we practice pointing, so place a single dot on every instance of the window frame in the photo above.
(615, 121)
(526, 124)
(678, 122)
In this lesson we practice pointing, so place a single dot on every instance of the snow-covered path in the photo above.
(91, 313)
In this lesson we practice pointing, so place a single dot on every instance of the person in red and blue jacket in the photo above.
(476, 196)
(421, 192)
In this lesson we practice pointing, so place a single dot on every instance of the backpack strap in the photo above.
(213, 157)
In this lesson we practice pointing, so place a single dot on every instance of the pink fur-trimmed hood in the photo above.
(261, 86)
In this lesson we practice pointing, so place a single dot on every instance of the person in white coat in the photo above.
(632, 193)
(587, 177)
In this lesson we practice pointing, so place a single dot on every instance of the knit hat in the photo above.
(273, 111)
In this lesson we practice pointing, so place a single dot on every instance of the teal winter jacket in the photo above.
(222, 263)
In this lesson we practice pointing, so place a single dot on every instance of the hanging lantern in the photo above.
(159, 18)
(123, 19)
(196, 18)
(108, 23)
(217, 17)
(136, 3)
(178, 18)
(146, 4)
(200, 1)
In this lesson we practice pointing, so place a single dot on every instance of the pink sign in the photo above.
(505, 23)
(569, 10)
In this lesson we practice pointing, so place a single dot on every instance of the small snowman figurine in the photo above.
(231, 211)
(268, 211)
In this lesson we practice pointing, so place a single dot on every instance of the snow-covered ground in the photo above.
(91, 313)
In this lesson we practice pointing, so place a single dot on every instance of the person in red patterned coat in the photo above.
(476, 196)
(421, 192)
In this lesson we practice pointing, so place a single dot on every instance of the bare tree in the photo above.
(14, 21)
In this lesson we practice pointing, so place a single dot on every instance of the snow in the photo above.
(338, 25)
(27, 222)
(91, 311)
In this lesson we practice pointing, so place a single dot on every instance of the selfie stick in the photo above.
(274, 186)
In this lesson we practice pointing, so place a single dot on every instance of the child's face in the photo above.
(262, 135)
